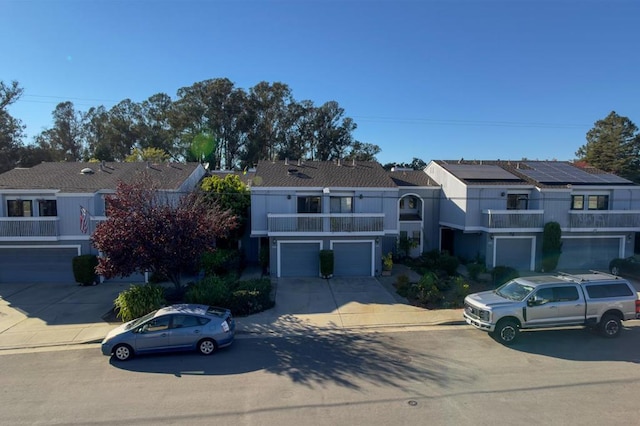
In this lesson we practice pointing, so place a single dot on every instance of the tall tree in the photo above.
(11, 129)
(146, 232)
(333, 132)
(155, 130)
(65, 140)
(613, 145)
(361, 151)
(229, 193)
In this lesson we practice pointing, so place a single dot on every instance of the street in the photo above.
(446, 376)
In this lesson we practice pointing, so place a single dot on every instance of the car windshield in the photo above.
(514, 290)
(140, 320)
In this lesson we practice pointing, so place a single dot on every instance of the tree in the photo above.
(363, 151)
(146, 232)
(11, 129)
(155, 155)
(613, 145)
(231, 194)
(65, 140)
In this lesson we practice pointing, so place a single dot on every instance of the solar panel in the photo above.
(565, 173)
(481, 172)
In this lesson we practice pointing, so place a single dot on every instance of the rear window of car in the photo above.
(601, 291)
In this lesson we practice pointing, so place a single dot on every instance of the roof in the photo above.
(409, 177)
(524, 172)
(314, 174)
(69, 176)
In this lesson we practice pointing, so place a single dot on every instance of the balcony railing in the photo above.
(618, 219)
(11, 227)
(514, 219)
(309, 223)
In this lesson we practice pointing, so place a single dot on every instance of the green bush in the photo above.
(475, 269)
(212, 290)
(139, 300)
(426, 290)
(448, 263)
(221, 261)
(326, 263)
(502, 274)
(84, 269)
(459, 290)
(251, 296)
(402, 285)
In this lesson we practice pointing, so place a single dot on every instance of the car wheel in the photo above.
(122, 352)
(610, 326)
(506, 332)
(615, 270)
(207, 346)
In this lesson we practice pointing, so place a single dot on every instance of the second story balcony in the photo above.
(28, 228)
(321, 224)
(620, 220)
(530, 220)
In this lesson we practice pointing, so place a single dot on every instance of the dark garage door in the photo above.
(352, 259)
(514, 252)
(299, 259)
(36, 265)
(588, 253)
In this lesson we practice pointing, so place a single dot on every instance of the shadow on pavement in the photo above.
(311, 358)
(579, 344)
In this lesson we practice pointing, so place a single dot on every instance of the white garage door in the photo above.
(353, 259)
(300, 259)
(37, 265)
(588, 253)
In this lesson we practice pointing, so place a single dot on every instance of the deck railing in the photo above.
(309, 223)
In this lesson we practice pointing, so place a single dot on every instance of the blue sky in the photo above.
(428, 79)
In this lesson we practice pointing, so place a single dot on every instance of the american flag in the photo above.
(83, 219)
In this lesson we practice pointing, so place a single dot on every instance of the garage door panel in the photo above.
(37, 265)
(588, 253)
(299, 259)
(514, 252)
(352, 259)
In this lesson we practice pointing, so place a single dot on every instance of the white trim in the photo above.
(621, 247)
(64, 246)
(279, 252)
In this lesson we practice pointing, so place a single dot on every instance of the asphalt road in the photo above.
(446, 376)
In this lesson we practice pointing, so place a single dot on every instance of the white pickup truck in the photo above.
(593, 300)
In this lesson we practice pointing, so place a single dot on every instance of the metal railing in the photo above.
(514, 219)
(617, 219)
(28, 227)
(309, 223)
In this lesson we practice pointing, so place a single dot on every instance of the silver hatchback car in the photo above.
(174, 328)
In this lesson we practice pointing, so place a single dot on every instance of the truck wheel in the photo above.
(610, 326)
(506, 332)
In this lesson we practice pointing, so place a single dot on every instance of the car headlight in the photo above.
(485, 315)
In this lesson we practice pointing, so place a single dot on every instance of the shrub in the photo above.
(502, 274)
(402, 285)
(551, 246)
(459, 290)
(251, 296)
(139, 300)
(426, 290)
(221, 261)
(448, 263)
(84, 269)
(326, 263)
(212, 290)
(475, 269)
(387, 261)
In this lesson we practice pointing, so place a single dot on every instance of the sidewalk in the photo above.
(42, 315)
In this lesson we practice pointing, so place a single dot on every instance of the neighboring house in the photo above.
(497, 210)
(357, 209)
(48, 212)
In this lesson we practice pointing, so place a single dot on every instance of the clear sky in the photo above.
(430, 79)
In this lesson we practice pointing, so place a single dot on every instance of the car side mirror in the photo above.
(534, 302)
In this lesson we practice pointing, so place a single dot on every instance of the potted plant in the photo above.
(387, 264)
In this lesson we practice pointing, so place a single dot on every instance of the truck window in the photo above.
(566, 294)
(601, 291)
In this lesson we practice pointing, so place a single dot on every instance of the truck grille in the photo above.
(472, 311)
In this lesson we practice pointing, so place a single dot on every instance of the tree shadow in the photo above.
(313, 357)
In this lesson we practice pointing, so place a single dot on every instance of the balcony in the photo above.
(621, 220)
(530, 220)
(28, 228)
(321, 224)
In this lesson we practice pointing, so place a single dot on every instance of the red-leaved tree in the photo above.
(147, 230)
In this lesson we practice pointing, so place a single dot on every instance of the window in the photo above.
(341, 204)
(182, 321)
(565, 294)
(577, 202)
(157, 324)
(47, 208)
(310, 204)
(19, 208)
(517, 201)
(598, 202)
(601, 291)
